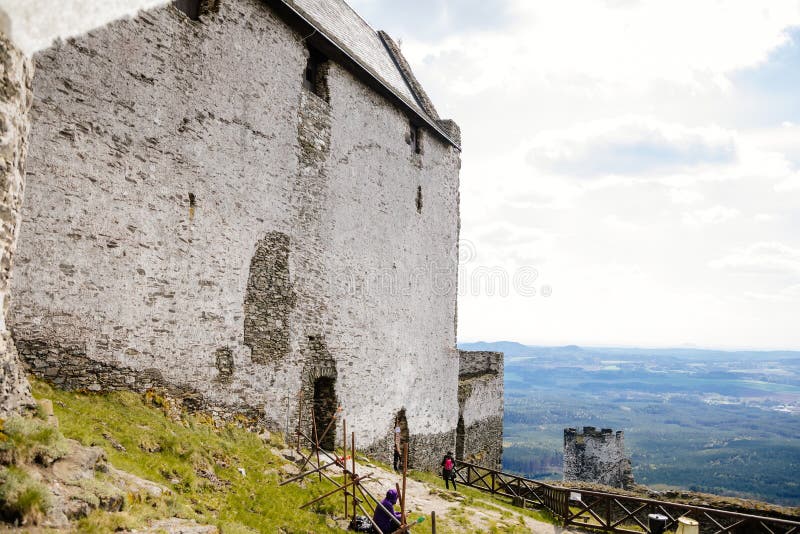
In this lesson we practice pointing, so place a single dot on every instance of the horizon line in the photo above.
(644, 347)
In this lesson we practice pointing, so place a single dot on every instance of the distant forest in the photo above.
(713, 421)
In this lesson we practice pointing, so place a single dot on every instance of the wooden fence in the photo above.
(608, 512)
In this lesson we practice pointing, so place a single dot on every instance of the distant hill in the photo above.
(514, 349)
(723, 422)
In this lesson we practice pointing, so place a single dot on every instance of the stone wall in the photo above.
(479, 432)
(597, 456)
(238, 240)
(15, 100)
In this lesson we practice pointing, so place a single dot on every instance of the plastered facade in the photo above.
(597, 456)
(160, 194)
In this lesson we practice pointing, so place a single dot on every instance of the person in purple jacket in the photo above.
(387, 523)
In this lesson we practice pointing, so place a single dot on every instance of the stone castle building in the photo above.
(597, 456)
(248, 202)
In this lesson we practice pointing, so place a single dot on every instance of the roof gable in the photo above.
(375, 53)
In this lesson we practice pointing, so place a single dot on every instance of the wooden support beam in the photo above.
(344, 465)
(347, 483)
(303, 475)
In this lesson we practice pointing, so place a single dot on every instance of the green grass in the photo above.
(183, 455)
(471, 499)
(22, 499)
(199, 463)
(24, 440)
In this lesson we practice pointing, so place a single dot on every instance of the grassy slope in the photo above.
(249, 503)
(182, 449)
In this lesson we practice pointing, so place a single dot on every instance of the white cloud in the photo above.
(712, 215)
(645, 98)
(792, 183)
(615, 222)
(762, 258)
(685, 196)
(788, 294)
(605, 48)
(636, 146)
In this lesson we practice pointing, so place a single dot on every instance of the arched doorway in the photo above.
(324, 409)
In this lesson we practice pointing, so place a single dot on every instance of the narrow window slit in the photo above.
(415, 138)
(316, 74)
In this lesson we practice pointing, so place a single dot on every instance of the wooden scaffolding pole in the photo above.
(299, 417)
(344, 467)
(353, 464)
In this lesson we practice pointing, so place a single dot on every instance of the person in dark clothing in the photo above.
(396, 458)
(449, 470)
(386, 522)
(397, 453)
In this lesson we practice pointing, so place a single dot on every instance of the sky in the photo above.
(630, 168)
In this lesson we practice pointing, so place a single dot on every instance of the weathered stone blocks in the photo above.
(479, 432)
(15, 101)
(597, 456)
(268, 300)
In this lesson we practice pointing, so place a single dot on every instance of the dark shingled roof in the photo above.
(375, 53)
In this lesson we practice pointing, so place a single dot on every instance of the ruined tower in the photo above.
(479, 434)
(597, 456)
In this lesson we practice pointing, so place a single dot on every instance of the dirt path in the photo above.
(454, 512)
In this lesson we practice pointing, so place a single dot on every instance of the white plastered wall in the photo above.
(34, 25)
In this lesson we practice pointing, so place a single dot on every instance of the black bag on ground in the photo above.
(361, 523)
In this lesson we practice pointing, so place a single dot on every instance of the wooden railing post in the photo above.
(556, 499)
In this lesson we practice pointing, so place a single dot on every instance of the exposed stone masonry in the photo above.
(269, 300)
(70, 368)
(597, 456)
(225, 365)
(479, 433)
(15, 101)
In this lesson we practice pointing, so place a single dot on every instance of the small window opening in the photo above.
(190, 8)
(419, 199)
(194, 9)
(415, 138)
(316, 75)
(192, 205)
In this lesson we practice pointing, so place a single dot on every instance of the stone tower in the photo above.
(597, 456)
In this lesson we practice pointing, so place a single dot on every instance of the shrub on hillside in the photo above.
(22, 499)
(24, 439)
